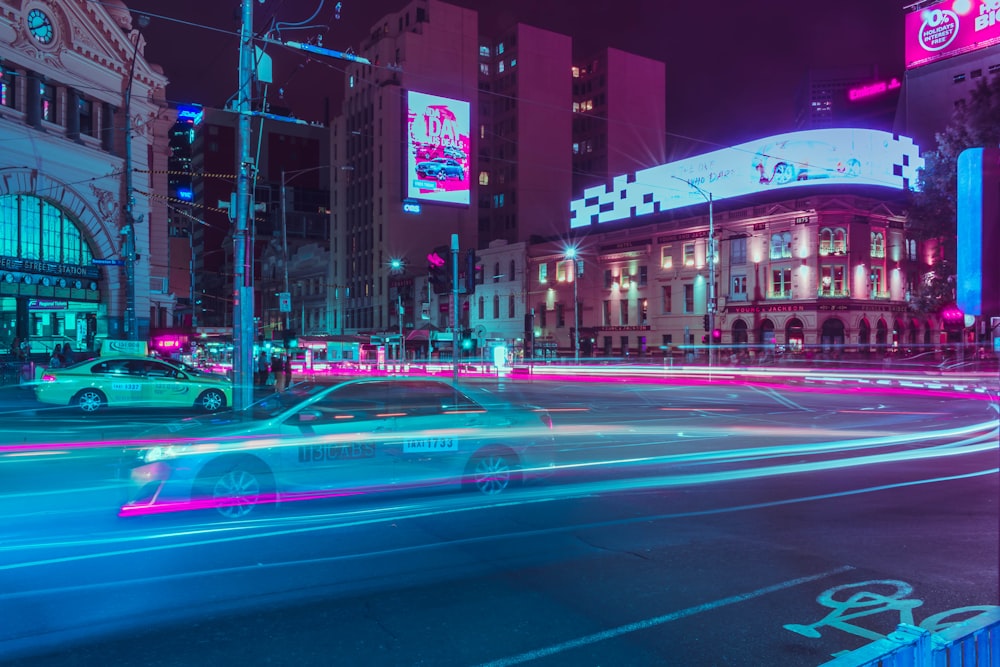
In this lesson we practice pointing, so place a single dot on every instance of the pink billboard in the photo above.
(438, 154)
(950, 28)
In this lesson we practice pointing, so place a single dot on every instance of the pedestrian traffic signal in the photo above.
(438, 269)
(473, 271)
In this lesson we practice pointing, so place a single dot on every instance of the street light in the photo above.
(572, 255)
(711, 267)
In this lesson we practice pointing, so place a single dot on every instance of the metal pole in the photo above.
(193, 292)
(242, 277)
(284, 244)
(711, 283)
(454, 304)
(402, 341)
(128, 230)
(576, 312)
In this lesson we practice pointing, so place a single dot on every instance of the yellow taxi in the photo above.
(133, 381)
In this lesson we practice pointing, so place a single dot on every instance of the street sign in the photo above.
(284, 302)
(107, 262)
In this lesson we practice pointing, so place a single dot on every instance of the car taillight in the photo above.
(546, 419)
(48, 378)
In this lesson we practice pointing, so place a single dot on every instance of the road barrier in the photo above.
(971, 643)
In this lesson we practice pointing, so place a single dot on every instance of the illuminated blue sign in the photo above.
(411, 206)
(185, 193)
(189, 114)
(829, 157)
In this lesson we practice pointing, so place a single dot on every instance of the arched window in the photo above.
(781, 245)
(496, 272)
(510, 273)
(832, 241)
(496, 306)
(32, 228)
(482, 308)
(511, 306)
(878, 244)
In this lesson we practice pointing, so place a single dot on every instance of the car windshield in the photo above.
(277, 403)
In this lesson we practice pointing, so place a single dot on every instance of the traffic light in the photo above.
(705, 321)
(473, 271)
(289, 339)
(438, 269)
(716, 336)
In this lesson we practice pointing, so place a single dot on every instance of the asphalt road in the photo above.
(708, 525)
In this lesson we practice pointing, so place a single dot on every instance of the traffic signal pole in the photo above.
(454, 305)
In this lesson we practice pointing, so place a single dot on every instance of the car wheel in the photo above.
(212, 400)
(90, 400)
(236, 490)
(492, 472)
(784, 173)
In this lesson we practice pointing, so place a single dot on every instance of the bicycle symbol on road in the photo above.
(852, 602)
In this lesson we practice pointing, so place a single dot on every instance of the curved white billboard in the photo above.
(833, 157)
(438, 153)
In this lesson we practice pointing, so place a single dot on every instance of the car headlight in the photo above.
(164, 453)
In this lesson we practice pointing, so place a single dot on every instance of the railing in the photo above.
(972, 643)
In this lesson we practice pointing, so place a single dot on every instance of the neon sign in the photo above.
(438, 166)
(873, 89)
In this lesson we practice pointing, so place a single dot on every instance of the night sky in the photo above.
(732, 66)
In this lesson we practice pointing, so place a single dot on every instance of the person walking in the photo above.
(262, 369)
(287, 365)
(279, 374)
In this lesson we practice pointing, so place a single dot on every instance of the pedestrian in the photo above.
(279, 374)
(262, 369)
(56, 359)
(68, 358)
(287, 365)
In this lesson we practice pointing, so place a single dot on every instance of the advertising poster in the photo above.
(950, 28)
(438, 155)
(836, 157)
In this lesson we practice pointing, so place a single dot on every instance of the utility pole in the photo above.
(710, 258)
(242, 274)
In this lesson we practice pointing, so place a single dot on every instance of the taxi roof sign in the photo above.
(130, 348)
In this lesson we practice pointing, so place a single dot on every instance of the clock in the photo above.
(40, 26)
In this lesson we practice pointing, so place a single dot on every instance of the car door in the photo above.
(337, 443)
(162, 386)
(116, 380)
(438, 429)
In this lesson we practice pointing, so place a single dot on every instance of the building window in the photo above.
(606, 317)
(832, 241)
(543, 273)
(643, 276)
(560, 315)
(688, 298)
(781, 283)
(688, 254)
(623, 311)
(667, 257)
(608, 279)
(511, 305)
(665, 299)
(877, 283)
(48, 97)
(738, 289)
(738, 250)
(482, 308)
(496, 272)
(781, 245)
(831, 280)
(624, 340)
(496, 306)
(484, 178)
(644, 312)
(541, 315)
(878, 244)
(86, 114)
(561, 271)
(8, 89)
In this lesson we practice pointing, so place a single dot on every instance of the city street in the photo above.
(709, 524)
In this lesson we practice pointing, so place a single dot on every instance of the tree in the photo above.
(932, 212)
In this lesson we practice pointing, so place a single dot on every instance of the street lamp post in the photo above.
(397, 266)
(572, 254)
(710, 258)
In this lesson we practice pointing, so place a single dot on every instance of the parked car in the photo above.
(797, 160)
(354, 438)
(132, 381)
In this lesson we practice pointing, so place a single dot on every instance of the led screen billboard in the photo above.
(950, 28)
(438, 154)
(835, 157)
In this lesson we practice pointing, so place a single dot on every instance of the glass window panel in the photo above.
(31, 227)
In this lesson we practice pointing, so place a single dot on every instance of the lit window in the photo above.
(781, 282)
(543, 273)
(878, 244)
(500, 67)
(831, 282)
(666, 257)
(484, 51)
(484, 178)
(688, 254)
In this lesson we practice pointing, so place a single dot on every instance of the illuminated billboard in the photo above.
(438, 154)
(950, 28)
(834, 157)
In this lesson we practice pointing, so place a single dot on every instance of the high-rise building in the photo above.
(524, 162)
(847, 96)
(619, 116)
(403, 153)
